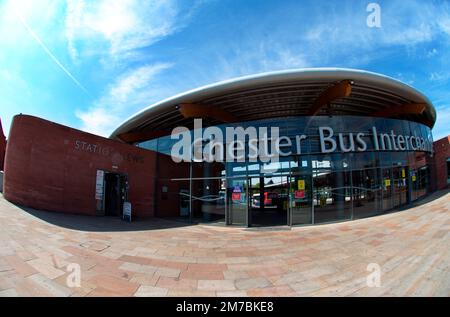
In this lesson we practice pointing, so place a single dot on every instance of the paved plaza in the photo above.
(39, 251)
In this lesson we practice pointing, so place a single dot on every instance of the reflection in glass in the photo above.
(386, 188)
(400, 186)
(237, 201)
(305, 187)
(268, 200)
(300, 197)
(366, 193)
(332, 197)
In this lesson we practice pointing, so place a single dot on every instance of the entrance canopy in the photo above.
(301, 92)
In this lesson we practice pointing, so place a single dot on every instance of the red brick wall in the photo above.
(441, 153)
(2, 146)
(168, 203)
(47, 167)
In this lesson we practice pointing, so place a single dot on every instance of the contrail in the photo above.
(49, 53)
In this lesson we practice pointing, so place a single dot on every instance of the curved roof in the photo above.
(286, 93)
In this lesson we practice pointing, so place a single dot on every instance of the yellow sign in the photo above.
(387, 182)
(403, 172)
(301, 184)
(414, 178)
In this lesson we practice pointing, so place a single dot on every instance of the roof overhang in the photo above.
(287, 93)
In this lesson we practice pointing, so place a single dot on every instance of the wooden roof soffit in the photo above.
(192, 110)
(405, 109)
(340, 89)
(133, 137)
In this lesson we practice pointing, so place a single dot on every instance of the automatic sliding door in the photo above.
(269, 200)
(386, 188)
(400, 186)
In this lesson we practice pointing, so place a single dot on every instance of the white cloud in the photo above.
(439, 76)
(444, 22)
(408, 36)
(132, 91)
(114, 32)
(251, 58)
(119, 26)
(432, 52)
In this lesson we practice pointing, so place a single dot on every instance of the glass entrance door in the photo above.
(269, 200)
(386, 188)
(400, 186)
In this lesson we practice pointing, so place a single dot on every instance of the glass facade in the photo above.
(378, 165)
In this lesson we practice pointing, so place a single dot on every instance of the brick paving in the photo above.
(163, 258)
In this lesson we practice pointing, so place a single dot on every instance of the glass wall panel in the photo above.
(301, 193)
(237, 201)
(208, 200)
(332, 195)
(386, 178)
(300, 199)
(420, 182)
(366, 193)
(419, 174)
(305, 187)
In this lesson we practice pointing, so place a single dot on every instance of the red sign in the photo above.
(236, 196)
(299, 194)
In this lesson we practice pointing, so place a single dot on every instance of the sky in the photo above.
(92, 64)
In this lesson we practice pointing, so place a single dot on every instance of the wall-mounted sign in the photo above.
(99, 185)
(126, 211)
(106, 151)
(263, 148)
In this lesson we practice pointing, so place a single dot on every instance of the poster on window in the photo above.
(299, 194)
(236, 196)
(237, 189)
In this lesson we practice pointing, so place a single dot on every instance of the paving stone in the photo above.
(411, 248)
(252, 283)
(147, 291)
(216, 285)
(50, 286)
(9, 293)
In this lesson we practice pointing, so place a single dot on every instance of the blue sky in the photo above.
(92, 64)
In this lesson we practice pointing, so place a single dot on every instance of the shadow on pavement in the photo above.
(112, 224)
(103, 224)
